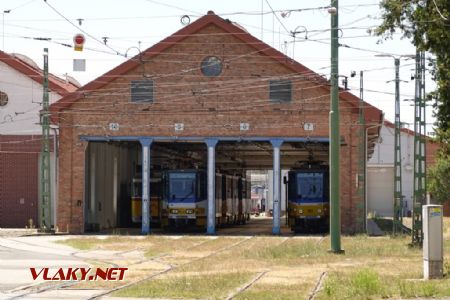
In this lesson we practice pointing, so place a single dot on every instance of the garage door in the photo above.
(380, 190)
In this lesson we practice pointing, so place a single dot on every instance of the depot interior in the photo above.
(112, 166)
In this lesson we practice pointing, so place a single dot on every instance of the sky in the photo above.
(138, 24)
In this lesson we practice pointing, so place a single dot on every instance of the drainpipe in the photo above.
(55, 155)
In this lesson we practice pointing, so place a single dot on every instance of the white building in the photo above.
(380, 171)
(21, 94)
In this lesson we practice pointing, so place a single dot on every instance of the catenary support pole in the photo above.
(398, 201)
(362, 149)
(335, 222)
(46, 197)
(276, 144)
(211, 218)
(419, 150)
(146, 144)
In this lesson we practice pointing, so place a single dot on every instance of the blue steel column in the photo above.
(146, 144)
(276, 144)
(211, 218)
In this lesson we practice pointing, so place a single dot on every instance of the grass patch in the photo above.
(294, 249)
(151, 245)
(368, 284)
(362, 245)
(211, 286)
(362, 284)
(311, 251)
(275, 291)
(81, 244)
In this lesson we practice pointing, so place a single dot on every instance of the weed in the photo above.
(362, 284)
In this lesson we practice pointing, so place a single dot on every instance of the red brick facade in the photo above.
(208, 106)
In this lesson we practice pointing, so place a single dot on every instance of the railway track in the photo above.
(162, 259)
(170, 267)
(37, 289)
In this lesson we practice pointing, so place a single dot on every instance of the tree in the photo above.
(439, 182)
(427, 24)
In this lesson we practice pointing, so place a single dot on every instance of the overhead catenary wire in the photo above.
(176, 83)
(183, 9)
(80, 29)
(276, 16)
(221, 82)
(20, 6)
(167, 104)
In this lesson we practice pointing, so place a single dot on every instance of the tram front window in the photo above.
(182, 186)
(310, 186)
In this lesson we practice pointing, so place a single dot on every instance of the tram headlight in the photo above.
(300, 211)
(189, 211)
(174, 211)
(319, 210)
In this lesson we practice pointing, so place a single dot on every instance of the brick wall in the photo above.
(208, 106)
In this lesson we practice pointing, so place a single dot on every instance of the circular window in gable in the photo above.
(211, 66)
(3, 99)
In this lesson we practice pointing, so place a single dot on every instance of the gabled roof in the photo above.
(392, 125)
(55, 83)
(405, 130)
(372, 114)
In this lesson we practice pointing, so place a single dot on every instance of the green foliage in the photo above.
(422, 22)
(439, 180)
(362, 284)
(368, 284)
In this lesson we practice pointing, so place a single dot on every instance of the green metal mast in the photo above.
(335, 216)
(362, 144)
(45, 203)
(419, 150)
(398, 198)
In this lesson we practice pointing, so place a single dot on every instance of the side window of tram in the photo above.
(203, 192)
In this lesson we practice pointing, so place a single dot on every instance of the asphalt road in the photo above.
(18, 254)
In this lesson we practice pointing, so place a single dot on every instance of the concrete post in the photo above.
(211, 218)
(335, 137)
(433, 245)
(146, 144)
(276, 144)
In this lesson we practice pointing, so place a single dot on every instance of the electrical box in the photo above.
(433, 247)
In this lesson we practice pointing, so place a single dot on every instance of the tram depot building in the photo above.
(209, 97)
